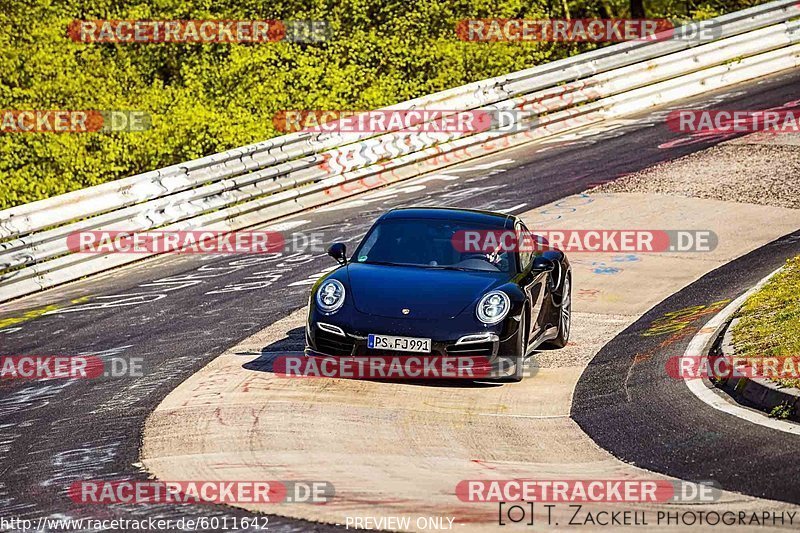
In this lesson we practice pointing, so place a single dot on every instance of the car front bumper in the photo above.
(487, 346)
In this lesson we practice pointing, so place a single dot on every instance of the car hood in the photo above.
(383, 290)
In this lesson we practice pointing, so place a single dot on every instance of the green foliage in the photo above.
(769, 324)
(209, 98)
(782, 412)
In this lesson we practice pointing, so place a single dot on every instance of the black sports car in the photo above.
(410, 289)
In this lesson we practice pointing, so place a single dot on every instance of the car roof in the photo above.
(489, 218)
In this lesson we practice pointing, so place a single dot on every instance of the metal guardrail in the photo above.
(268, 180)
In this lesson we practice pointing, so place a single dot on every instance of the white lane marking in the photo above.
(391, 191)
(700, 345)
(435, 177)
(510, 210)
(312, 279)
(286, 225)
(304, 282)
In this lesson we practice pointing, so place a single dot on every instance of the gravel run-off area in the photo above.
(758, 169)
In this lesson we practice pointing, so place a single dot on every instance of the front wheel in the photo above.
(564, 315)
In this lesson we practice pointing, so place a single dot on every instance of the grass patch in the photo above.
(770, 319)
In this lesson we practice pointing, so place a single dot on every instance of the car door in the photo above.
(533, 284)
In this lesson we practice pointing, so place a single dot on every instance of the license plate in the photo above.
(401, 344)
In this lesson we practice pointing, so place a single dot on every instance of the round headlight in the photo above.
(330, 296)
(493, 307)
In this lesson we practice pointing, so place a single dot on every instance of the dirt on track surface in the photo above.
(400, 449)
(178, 313)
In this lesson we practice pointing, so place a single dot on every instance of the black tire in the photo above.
(564, 315)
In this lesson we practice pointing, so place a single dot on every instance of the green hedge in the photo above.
(209, 98)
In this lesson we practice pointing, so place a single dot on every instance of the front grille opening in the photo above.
(332, 344)
(474, 349)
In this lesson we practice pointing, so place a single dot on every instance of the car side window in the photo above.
(525, 241)
(369, 244)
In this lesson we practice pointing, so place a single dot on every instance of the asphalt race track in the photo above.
(178, 313)
(615, 403)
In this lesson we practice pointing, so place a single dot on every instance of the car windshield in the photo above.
(427, 243)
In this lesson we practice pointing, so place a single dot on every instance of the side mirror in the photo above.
(543, 264)
(339, 252)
